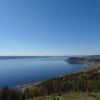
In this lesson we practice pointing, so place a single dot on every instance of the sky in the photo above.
(49, 27)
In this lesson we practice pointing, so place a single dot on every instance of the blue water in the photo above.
(19, 71)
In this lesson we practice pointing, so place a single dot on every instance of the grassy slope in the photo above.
(68, 96)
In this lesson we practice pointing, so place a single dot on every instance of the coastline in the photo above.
(91, 66)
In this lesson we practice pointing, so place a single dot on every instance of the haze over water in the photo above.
(20, 71)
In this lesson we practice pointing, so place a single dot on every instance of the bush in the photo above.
(98, 96)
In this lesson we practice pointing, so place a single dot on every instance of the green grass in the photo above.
(68, 96)
(77, 96)
(98, 96)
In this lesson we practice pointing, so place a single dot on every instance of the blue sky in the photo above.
(49, 27)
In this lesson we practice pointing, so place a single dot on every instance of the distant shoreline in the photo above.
(22, 57)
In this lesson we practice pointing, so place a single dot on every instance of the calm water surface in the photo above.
(20, 71)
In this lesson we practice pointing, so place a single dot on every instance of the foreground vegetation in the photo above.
(8, 94)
